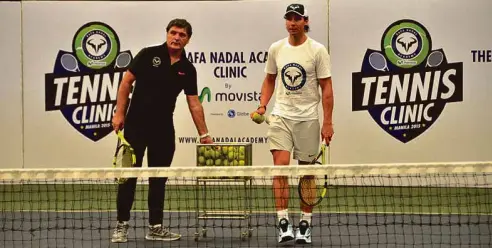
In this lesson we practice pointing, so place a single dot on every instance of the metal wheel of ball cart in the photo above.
(204, 212)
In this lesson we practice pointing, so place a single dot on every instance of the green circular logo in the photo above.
(406, 43)
(96, 45)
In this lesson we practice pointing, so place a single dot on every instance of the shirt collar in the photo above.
(166, 51)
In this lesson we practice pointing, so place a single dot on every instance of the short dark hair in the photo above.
(180, 23)
(306, 27)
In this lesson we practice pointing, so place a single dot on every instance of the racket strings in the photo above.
(124, 157)
(311, 189)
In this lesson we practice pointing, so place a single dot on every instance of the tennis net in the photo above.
(377, 205)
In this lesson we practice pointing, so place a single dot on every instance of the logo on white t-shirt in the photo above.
(293, 76)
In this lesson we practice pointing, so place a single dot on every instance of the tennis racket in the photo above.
(310, 192)
(124, 156)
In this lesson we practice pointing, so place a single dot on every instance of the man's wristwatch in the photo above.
(204, 135)
(261, 106)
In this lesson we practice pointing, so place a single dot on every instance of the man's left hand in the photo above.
(206, 140)
(327, 132)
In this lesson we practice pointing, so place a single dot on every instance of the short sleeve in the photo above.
(191, 87)
(136, 66)
(323, 63)
(271, 63)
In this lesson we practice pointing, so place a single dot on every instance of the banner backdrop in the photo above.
(75, 54)
(412, 80)
(11, 85)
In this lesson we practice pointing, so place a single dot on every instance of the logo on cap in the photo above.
(296, 8)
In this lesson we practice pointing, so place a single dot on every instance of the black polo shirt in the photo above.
(158, 84)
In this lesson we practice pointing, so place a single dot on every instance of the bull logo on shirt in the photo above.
(293, 77)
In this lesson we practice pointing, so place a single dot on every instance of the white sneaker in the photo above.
(120, 234)
(285, 231)
(303, 233)
(157, 232)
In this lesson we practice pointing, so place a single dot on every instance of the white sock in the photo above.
(307, 217)
(283, 214)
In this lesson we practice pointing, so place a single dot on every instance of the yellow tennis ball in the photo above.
(218, 162)
(201, 150)
(241, 162)
(201, 159)
(208, 154)
(258, 118)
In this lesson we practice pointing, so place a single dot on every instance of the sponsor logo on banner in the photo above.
(406, 85)
(207, 95)
(84, 83)
(231, 113)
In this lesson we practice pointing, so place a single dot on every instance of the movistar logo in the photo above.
(205, 93)
(229, 96)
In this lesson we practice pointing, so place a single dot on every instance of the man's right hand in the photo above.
(118, 122)
(260, 111)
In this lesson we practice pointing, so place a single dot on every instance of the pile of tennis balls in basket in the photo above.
(221, 155)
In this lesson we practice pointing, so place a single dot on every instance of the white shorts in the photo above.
(303, 137)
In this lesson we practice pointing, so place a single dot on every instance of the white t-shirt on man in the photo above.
(298, 69)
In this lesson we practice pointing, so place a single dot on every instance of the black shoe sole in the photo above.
(301, 242)
(286, 239)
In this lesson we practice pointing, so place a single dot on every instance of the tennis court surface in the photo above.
(397, 205)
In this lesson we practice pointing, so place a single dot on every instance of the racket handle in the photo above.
(323, 150)
(122, 137)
